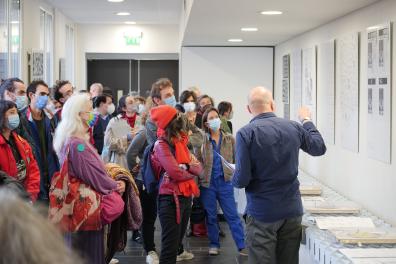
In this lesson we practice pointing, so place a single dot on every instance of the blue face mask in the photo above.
(13, 121)
(41, 101)
(214, 124)
(21, 102)
(171, 101)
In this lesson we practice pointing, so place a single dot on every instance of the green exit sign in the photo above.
(133, 39)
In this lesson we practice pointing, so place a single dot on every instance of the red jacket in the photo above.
(8, 164)
(164, 162)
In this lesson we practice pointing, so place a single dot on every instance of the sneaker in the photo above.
(243, 252)
(213, 251)
(114, 261)
(152, 258)
(185, 256)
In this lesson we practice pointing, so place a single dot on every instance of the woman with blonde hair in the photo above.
(71, 143)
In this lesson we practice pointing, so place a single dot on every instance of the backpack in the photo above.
(13, 185)
(150, 181)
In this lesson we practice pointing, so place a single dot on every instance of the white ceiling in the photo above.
(103, 12)
(213, 22)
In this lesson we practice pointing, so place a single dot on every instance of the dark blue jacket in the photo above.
(52, 158)
(267, 152)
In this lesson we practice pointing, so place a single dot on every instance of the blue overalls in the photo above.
(222, 191)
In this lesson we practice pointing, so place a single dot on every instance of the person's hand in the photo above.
(136, 169)
(134, 131)
(304, 113)
(120, 187)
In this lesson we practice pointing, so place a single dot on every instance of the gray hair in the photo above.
(28, 237)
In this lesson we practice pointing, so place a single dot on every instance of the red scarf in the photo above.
(183, 156)
(130, 119)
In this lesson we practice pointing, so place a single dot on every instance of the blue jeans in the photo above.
(223, 192)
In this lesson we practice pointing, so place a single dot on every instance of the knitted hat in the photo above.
(162, 115)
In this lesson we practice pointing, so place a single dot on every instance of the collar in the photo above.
(210, 138)
(263, 115)
(3, 140)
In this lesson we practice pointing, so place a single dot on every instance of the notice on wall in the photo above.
(348, 90)
(286, 86)
(326, 91)
(309, 80)
(379, 93)
(296, 82)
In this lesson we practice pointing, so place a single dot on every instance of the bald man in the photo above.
(96, 89)
(267, 166)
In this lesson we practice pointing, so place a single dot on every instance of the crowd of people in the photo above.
(103, 168)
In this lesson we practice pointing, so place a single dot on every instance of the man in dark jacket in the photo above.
(267, 152)
(42, 129)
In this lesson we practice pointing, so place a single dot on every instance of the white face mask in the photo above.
(110, 109)
(189, 107)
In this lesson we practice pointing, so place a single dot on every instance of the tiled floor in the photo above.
(199, 246)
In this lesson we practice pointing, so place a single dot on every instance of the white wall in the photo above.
(368, 182)
(94, 38)
(31, 33)
(227, 74)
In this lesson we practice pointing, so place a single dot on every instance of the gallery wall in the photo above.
(352, 166)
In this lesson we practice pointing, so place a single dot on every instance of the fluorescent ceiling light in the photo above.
(235, 40)
(250, 29)
(273, 12)
(123, 14)
(130, 22)
(115, 1)
(14, 22)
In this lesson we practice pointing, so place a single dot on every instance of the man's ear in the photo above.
(248, 108)
(273, 107)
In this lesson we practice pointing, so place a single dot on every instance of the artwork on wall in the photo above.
(36, 64)
(286, 86)
(379, 92)
(296, 85)
(326, 91)
(309, 80)
(348, 90)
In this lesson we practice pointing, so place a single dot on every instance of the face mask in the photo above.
(21, 102)
(92, 118)
(111, 109)
(141, 109)
(171, 101)
(13, 121)
(231, 115)
(214, 124)
(189, 107)
(131, 108)
(41, 102)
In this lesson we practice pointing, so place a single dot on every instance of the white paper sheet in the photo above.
(348, 90)
(296, 79)
(326, 92)
(379, 93)
(309, 80)
(121, 128)
(336, 222)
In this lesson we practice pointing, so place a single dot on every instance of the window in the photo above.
(69, 53)
(47, 44)
(10, 41)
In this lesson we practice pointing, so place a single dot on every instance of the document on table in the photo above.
(335, 222)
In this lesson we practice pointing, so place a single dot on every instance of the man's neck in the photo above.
(130, 114)
(37, 114)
